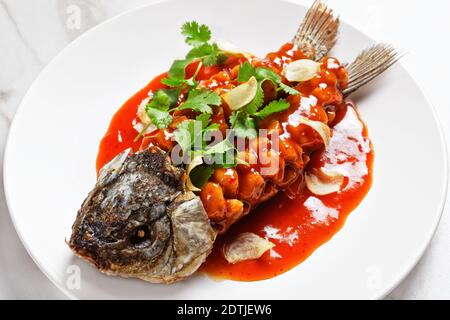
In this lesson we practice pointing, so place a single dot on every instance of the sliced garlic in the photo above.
(232, 49)
(301, 70)
(246, 246)
(322, 183)
(241, 95)
(197, 161)
(321, 128)
(145, 120)
(141, 112)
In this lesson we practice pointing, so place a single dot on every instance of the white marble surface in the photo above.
(33, 32)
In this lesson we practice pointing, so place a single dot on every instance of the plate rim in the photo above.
(380, 295)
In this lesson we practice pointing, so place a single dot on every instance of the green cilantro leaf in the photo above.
(273, 107)
(204, 118)
(243, 125)
(201, 100)
(263, 74)
(246, 71)
(184, 135)
(177, 73)
(161, 119)
(212, 127)
(257, 101)
(212, 59)
(195, 34)
(288, 90)
(219, 148)
(200, 51)
(208, 53)
(158, 108)
(177, 70)
(174, 83)
(201, 174)
(161, 101)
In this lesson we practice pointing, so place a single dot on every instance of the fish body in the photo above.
(139, 221)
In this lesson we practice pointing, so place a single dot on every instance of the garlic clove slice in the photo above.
(141, 112)
(301, 70)
(232, 49)
(323, 183)
(145, 120)
(246, 246)
(321, 128)
(241, 95)
(195, 162)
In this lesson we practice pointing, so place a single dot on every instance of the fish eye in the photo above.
(141, 236)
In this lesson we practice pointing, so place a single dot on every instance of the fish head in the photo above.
(140, 222)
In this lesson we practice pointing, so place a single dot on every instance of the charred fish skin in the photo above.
(138, 221)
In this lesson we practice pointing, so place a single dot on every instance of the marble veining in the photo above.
(18, 31)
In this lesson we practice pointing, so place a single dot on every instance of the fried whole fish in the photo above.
(140, 222)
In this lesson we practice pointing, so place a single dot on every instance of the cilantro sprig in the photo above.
(192, 136)
(206, 52)
(201, 100)
(164, 101)
(273, 107)
(246, 71)
(244, 121)
(195, 34)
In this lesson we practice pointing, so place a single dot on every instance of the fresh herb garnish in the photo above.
(198, 36)
(243, 121)
(246, 71)
(200, 175)
(200, 100)
(177, 74)
(184, 135)
(288, 90)
(219, 148)
(257, 101)
(158, 108)
(243, 125)
(195, 34)
(263, 74)
(208, 53)
(273, 107)
(191, 134)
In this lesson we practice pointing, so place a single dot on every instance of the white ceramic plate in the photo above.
(52, 147)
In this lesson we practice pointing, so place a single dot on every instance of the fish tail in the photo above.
(318, 32)
(369, 64)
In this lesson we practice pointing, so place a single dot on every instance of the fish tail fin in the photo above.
(318, 32)
(369, 64)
